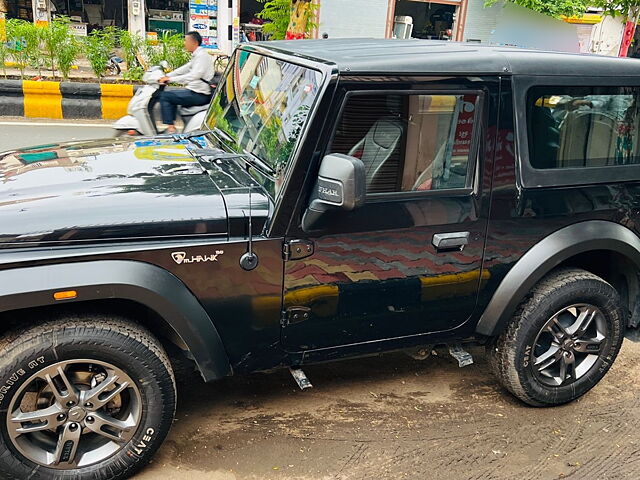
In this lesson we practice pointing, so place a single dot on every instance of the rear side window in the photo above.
(583, 127)
(410, 142)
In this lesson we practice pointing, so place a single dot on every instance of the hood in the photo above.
(106, 190)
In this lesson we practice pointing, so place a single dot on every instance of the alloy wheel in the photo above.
(74, 413)
(569, 344)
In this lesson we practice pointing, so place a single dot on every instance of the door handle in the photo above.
(450, 241)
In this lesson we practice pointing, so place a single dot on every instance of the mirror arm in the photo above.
(312, 214)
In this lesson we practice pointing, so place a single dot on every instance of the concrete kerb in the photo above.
(71, 100)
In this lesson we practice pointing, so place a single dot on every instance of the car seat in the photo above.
(380, 142)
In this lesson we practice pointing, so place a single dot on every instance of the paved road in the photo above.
(27, 133)
(388, 417)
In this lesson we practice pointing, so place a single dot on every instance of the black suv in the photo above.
(344, 198)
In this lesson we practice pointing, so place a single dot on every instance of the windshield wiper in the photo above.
(260, 164)
(216, 132)
(222, 134)
(177, 137)
(214, 154)
(188, 135)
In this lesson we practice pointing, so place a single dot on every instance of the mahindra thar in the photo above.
(343, 198)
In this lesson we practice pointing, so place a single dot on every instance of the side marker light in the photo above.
(65, 295)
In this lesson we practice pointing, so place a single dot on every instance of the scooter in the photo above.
(113, 66)
(140, 119)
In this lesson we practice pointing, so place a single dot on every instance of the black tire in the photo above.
(114, 69)
(512, 355)
(116, 342)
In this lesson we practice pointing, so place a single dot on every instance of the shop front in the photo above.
(222, 23)
(216, 20)
(433, 20)
(85, 15)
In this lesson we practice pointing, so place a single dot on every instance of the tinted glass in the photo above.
(409, 142)
(583, 127)
(262, 106)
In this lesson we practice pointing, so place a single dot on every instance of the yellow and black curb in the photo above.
(27, 98)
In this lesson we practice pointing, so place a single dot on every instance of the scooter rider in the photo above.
(194, 75)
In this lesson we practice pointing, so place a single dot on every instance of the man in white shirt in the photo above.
(195, 75)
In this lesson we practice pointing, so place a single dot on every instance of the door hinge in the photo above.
(297, 249)
(294, 315)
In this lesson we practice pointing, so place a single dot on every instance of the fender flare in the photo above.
(546, 255)
(147, 284)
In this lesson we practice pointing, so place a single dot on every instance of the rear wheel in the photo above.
(83, 399)
(562, 340)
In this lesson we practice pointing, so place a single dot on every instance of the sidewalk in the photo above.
(82, 73)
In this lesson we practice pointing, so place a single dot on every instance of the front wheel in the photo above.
(126, 133)
(562, 340)
(89, 398)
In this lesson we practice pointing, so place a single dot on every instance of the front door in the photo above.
(409, 261)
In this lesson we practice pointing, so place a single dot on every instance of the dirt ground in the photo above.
(395, 417)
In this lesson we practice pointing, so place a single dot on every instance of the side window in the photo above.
(409, 142)
(578, 127)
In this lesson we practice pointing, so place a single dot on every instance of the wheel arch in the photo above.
(576, 245)
(179, 316)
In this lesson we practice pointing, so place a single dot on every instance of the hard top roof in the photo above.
(370, 56)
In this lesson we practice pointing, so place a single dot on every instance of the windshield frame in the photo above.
(327, 72)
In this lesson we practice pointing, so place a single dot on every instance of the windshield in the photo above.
(262, 105)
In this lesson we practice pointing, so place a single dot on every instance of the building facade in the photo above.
(224, 23)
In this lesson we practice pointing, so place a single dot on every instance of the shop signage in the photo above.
(464, 130)
(78, 29)
(203, 18)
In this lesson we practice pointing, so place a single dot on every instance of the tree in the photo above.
(279, 14)
(629, 10)
(555, 8)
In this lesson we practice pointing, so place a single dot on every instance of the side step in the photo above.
(463, 357)
(300, 378)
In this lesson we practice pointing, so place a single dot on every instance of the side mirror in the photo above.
(341, 184)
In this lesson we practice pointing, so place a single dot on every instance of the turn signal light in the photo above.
(65, 295)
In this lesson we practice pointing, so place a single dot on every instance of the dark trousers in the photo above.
(170, 99)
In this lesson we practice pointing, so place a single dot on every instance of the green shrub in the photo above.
(60, 45)
(23, 45)
(174, 52)
(68, 52)
(4, 57)
(170, 48)
(132, 45)
(37, 57)
(133, 74)
(98, 46)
